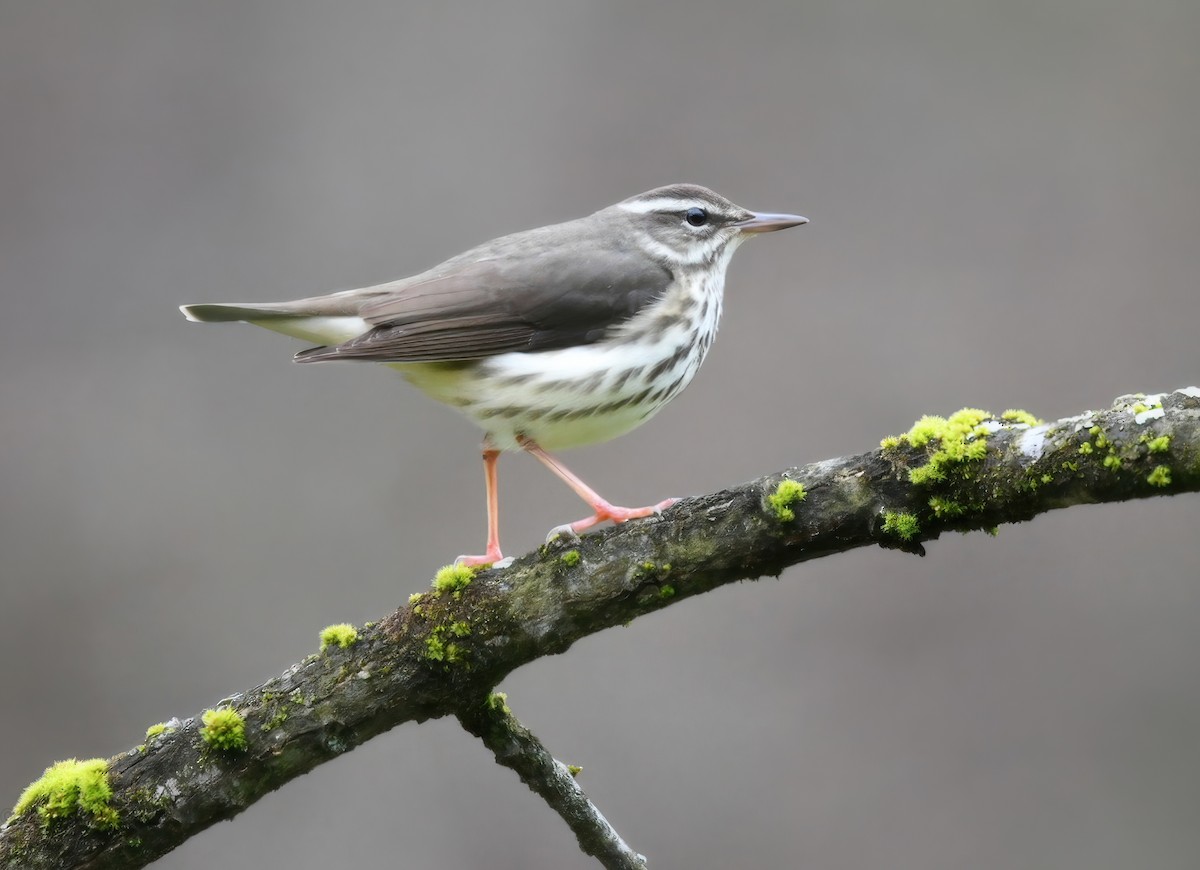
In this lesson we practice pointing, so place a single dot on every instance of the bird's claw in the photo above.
(494, 559)
(564, 531)
(605, 512)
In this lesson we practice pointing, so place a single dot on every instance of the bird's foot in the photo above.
(606, 512)
(492, 557)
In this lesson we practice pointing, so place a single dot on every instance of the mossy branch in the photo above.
(449, 647)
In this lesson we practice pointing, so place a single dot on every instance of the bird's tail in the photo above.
(221, 313)
(323, 320)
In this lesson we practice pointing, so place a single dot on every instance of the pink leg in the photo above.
(490, 457)
(604, 510)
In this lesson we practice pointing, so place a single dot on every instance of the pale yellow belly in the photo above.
(566, 398)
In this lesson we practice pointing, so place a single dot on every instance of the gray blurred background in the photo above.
(1005, 204)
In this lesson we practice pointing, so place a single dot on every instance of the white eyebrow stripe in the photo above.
(645, 206)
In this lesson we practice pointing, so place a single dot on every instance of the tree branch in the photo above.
(460, 640)
(517, 748)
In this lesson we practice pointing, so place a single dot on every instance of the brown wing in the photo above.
(544, 289)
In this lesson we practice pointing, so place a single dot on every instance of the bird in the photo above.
(547, 339)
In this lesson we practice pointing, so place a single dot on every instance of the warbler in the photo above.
(547, 339)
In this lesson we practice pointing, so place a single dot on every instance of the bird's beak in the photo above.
(761, 222)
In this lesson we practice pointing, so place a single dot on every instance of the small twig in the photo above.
(517, 748)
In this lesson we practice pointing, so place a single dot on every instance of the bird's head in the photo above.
(689, 225)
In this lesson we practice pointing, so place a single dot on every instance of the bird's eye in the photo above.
(696, 216)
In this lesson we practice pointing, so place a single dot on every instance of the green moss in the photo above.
(666, 591)
(415, 597)
(942, 462)
(1015, 415)
(971, 452)
(224, 729)
(1112, 462)
(786, 495)
(1047, 478)
(439, 649)
(968, 418)
(1161, 444)
(453, 579)
(462, 628)
(275, 721)
(498, 701)
(574, 770)
(927, 474)
(959, 439)
(944, 507)
(570, 558)
(156, 730)
(925, 430)
(1085, 448)
(67, 787)
(900, 524)
(342, 635)
(1160, 476)
(891, 442)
